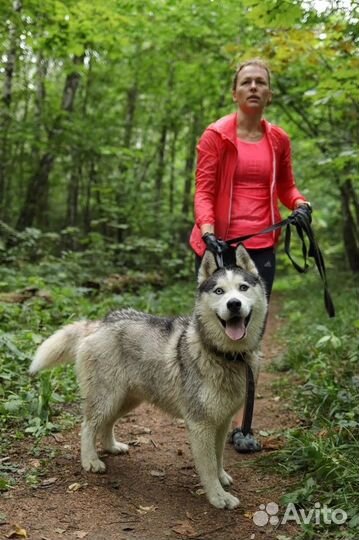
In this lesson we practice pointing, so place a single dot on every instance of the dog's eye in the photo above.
(243, 287)
(219, 290)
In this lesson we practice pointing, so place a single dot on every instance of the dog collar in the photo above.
(230, 357)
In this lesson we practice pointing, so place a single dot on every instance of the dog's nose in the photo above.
(234, 305)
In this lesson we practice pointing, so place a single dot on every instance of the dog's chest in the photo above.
(223, 396)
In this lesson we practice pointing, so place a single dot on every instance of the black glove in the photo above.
(214, 245)
(304, 211)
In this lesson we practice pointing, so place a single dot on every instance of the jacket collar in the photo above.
(227, 127)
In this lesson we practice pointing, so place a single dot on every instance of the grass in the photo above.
(323, 355)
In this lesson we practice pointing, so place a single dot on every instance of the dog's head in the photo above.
(231, 300)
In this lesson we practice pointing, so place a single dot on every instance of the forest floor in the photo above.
(152, 493)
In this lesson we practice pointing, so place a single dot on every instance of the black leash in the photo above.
(249, 402)
(301, 220)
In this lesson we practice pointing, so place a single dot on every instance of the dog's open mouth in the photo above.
(236, 327)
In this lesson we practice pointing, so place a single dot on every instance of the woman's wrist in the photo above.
(207, 228)
(300, 202)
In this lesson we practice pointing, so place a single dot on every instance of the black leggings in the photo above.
(264, 259)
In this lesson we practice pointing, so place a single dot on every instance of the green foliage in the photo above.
(324, 449)
(151, 76)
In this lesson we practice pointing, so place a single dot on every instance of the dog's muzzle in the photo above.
(236, 326)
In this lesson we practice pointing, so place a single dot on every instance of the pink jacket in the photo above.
(217, 158)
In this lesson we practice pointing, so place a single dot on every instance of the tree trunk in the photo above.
(160, 168)
(350, 226)
(5, 116)
(173, 169)
(188, 172)
(92, 181)
(73, 192)
(132, 94)
(36, 199)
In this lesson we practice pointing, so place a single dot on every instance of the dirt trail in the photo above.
(153, 493)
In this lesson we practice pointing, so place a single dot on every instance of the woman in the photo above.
(244, 166)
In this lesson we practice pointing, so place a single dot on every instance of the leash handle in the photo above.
(301, 220)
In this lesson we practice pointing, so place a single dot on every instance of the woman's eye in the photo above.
(218, 291)
(243, 287)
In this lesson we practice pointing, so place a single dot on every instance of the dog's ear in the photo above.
(207, 268)
(244, 261)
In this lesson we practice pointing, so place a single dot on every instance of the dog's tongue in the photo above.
(235, 329)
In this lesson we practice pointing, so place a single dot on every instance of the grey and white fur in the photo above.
(184, 365)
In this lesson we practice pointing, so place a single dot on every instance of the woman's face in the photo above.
(252, 92)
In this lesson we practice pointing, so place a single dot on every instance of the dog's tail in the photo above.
(61, 347)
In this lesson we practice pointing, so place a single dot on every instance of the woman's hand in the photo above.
(214, 245)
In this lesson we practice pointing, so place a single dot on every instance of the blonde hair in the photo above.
(254, 62)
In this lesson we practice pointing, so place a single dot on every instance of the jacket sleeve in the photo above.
(206, 176)
(287, 191)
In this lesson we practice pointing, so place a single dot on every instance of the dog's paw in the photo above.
(94, 465)
(225, 479)
(117, 448)
(224, 500)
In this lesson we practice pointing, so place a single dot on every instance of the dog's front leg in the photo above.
(203, 443)
(221, 436)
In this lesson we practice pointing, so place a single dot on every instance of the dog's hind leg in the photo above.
(109, 442)
(203, 442)
(89, 457)
(221, 436)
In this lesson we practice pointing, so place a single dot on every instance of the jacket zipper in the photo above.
(273, 178)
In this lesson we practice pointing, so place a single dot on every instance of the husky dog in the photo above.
(191, 367)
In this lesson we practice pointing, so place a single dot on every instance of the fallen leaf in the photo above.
(144, 509)
(48, 481)
(264, 433)
(76, 486)
(159, 474)
(139, 430)
(58, 437)
(185, 528)
(16, 532)
(35, 463)
(200, 491)
(276, 399)
(272, 443)
(143, 440)
(80, 534)
(248, 515)
(59, 531)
